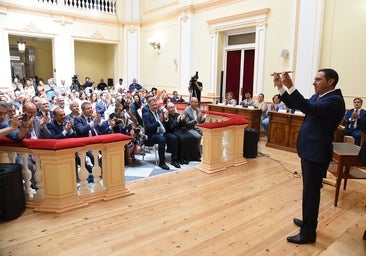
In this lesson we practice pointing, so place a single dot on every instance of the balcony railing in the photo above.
(105, 6)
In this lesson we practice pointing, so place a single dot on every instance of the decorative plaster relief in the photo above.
(97, 34)
(31, 27)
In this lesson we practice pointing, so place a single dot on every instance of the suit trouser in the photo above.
(312, 177)
(168, 139)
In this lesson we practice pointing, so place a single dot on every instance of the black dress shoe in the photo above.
(185, 162)
(298, 222)
(197, 159)
(299, 239)
(164, 166)
(175, 164)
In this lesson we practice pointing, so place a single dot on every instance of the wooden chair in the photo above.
(363, 137)
(349, 172)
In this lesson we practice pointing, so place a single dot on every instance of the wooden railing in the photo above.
(222, 141)
(55, 171)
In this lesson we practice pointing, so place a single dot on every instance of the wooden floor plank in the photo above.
(244, 210)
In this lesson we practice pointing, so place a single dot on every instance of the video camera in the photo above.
(193, 81)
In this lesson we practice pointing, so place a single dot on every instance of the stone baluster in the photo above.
(83, 175)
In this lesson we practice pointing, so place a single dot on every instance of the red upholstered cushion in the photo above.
(55, 144)
(213, 125)
(8, 142)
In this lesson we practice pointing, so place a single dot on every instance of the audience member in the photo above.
(275, 106)
(352, 118)
(134, 86)
(86, 124)
(11, 124)
(120, 86)
(261, 104)
(194, 116)
(154, 129)
(177, 98)
(229, 99)
(88, 84)
(102, 105)
(135, 109)
(247, 102)
(60, 127)
(102, 85)
(51, 89)
(44, 110)
(135, 145)
(188, 148)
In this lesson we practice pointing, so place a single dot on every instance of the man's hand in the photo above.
(277, 80)
(16, 120)
(286, 80)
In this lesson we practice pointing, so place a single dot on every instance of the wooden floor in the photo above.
(245, 210)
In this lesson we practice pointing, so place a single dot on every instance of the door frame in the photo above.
(242, 48)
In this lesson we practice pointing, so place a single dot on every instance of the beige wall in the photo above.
(43, 56)
(94, 60)
(343, 46)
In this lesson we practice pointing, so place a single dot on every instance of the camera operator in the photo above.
(135, 145)
(114, 125)
(195, 87)
(75, 85)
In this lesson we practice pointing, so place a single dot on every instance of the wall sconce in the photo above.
(284, 53)
(155, 45)
(21, 46)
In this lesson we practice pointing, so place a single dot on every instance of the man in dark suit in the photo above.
(86, 124)
(59, 127)
(323, 113)
(154, 129)
(353, 119)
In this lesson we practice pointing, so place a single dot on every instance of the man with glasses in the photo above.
(5, 128)
(44, 110)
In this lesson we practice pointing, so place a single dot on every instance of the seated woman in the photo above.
(188, 148)
(275, 106)
(229, 99)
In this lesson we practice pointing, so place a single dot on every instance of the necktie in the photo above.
(161, 128)
(355, 123)
(92, 130)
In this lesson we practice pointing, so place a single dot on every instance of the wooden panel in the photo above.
(283, 130)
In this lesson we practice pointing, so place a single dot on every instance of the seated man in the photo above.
(87, 125)
(154, 129)
(188, 149)
(5, 128)
(193, 116)
(353, 119)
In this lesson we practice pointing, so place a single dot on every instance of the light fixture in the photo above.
(155, 45)
(21, 46)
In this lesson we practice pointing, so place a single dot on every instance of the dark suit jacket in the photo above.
(322, 117)
(56, 131)
(150, 123)
(82, 127)
(349, 123)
